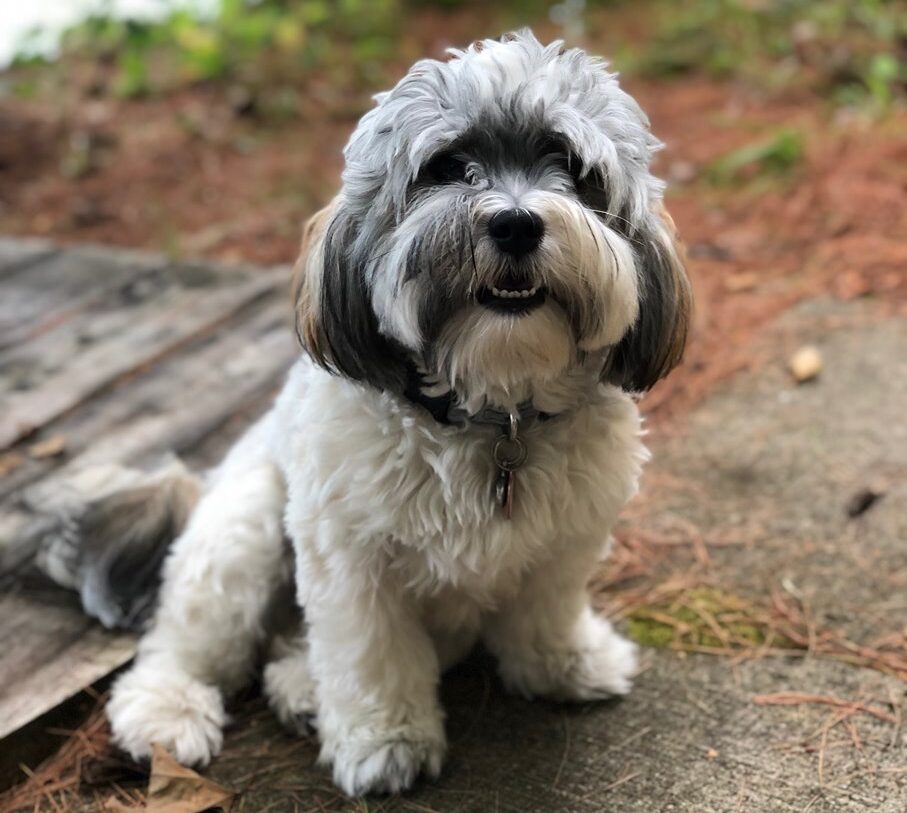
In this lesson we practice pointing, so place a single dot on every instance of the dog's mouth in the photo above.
(511, 295)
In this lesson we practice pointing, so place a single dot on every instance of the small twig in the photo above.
(898, 718)
(812, 803)
(854, 734)
(622, 780)
(741, 798)
(799, 698)
(563, 762)
(632, 738)
(823, 744)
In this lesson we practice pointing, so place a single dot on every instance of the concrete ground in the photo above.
(767, 471)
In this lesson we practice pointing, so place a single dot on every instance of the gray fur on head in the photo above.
(396, 271)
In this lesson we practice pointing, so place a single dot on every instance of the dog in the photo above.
(480, 306)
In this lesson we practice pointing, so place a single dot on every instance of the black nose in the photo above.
(516, 231)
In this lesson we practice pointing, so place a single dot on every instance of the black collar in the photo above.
(446, 410)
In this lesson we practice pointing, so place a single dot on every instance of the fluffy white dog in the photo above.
(495, 276)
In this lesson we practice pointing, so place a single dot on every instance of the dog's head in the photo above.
(498, 226)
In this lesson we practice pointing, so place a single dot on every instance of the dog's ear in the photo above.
(655, 343)
(306, 284)
(335, 321)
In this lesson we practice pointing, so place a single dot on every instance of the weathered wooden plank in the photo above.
(172, 407)
(144, 359)
(49, 652)
(40, 295)
(226, 369)
(156, 328)
(18, 253)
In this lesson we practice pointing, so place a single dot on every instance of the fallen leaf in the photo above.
(53, 446)
(114, 805)
(805, 364)
(173, 788)
(862, 501)
(10, 462)
(737, 283)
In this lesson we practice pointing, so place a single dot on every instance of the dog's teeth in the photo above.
(506, 293)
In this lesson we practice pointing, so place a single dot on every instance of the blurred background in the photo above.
(214, 127)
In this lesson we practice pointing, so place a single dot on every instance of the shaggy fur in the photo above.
(403, 558)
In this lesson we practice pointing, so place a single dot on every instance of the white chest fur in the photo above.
(374, 480)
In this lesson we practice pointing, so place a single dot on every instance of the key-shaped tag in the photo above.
(509, 454)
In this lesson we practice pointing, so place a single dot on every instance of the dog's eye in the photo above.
(575, 165)
(558, 151)
(553, 146)
(446, 169)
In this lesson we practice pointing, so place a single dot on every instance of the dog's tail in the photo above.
(106, 531)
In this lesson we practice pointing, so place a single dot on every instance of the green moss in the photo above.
(776, 156)
(705, 618)
(648, 632)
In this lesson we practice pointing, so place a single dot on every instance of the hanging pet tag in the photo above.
(504, 491)
(509, 454)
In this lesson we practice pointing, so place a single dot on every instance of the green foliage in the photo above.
(851, 50)
(133, 75)
(883, 75)
(259, 43)
(854, 48)
(777, 155)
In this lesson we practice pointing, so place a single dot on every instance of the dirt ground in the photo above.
(695, 572)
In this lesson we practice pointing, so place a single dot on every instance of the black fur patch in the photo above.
(654, 344)
(354, 347)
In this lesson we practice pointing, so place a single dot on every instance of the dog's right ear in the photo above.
(335, 321)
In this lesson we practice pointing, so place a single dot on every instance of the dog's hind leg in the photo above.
(289, 684)
(218, 582)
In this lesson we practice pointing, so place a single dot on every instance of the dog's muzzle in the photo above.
(517, 233)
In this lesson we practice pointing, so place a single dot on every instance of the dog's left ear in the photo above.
(655, 343)
(335, 322)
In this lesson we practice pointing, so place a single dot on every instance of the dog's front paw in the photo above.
(603, 665)
(596, 664)
(155, 705)
(366, 762)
